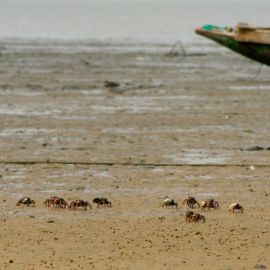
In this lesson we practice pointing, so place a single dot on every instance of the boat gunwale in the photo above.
(215, 32)
(224, 33)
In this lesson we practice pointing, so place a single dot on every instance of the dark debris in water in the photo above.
(256, 148)
(111, 84)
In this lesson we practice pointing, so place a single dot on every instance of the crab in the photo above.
(79, 203)
(102, 202)
(190, 202)
(194, 217)
(60, 202)
(50, 201)
(56, 202)
(198, 218)
(236, 207)
(188, 215)
(209, 203)
(169, 202)
(26, 201)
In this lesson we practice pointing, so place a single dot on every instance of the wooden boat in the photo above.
(252, 42)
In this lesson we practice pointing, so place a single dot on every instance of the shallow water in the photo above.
(250, 87)
(121, 21)
(201, 156)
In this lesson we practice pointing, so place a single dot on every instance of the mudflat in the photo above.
(168, 126)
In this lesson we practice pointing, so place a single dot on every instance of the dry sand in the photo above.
(175, 126)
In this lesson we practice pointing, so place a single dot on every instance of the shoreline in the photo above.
(191, 47)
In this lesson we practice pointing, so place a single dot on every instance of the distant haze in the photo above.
(124, 20)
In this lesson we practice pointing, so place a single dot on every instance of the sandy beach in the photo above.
(175, 125)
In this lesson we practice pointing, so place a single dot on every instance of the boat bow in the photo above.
(231, 38)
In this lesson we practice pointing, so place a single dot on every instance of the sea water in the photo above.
(124, 21)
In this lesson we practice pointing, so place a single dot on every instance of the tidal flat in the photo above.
(170, 125)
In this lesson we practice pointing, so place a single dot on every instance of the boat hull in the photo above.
(256, 51)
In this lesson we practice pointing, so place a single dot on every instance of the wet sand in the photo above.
(175, 126)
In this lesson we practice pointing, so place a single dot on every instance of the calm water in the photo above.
(129, 21)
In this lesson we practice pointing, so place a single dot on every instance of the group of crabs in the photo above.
(58, 202)
(191, 202)
(209, 204)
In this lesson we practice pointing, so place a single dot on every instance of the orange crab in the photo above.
(56, 202)
(208, 204)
